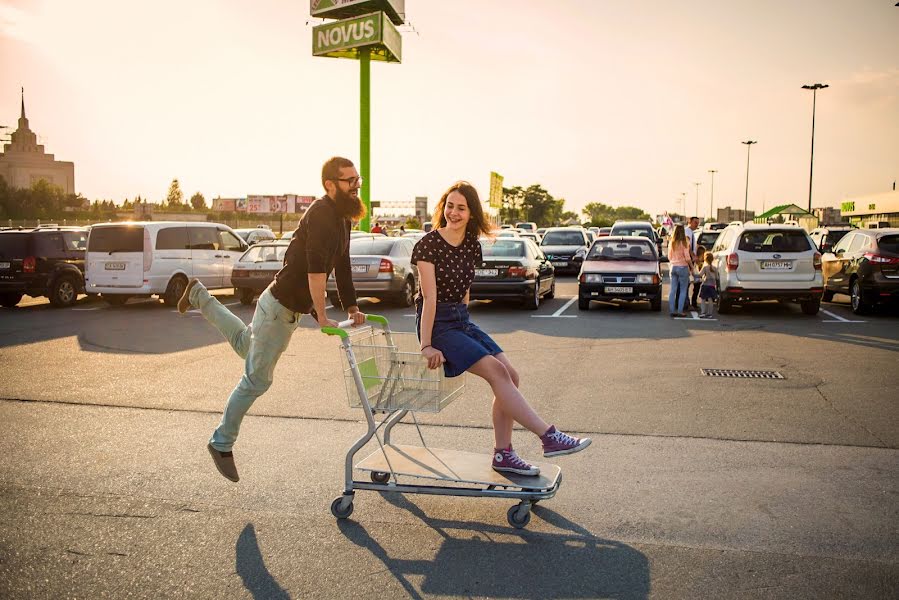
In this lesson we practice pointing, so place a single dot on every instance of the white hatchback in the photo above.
(767, 262)
(143, 259)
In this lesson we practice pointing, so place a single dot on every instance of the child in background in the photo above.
(700, 252)
(709, 291)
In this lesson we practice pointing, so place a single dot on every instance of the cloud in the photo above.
(17, 23)
(872, 88)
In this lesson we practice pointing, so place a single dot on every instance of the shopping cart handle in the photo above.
(344, 325)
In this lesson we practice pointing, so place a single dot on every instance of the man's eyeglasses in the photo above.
(350, 181)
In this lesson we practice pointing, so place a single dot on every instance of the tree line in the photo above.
(43, 200)
(536, 204)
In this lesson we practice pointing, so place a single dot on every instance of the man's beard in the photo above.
(349, 206)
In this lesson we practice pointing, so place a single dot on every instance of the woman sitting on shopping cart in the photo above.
(446, 259)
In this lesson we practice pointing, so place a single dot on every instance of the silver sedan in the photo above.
(382, 268)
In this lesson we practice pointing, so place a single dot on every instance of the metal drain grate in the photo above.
(742, 374)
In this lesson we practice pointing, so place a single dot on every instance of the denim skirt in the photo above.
(461, 341)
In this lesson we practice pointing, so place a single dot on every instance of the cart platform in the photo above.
(454, 466)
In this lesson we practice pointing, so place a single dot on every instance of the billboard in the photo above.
(224, 204)
(344, 39)
(344, 9)
(496, 190)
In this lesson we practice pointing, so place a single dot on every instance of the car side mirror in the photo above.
(840, 251)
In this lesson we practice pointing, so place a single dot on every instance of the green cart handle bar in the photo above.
(343, 325)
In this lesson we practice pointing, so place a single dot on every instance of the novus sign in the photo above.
(342, 39)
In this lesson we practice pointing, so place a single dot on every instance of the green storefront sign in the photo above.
(344, 39)
(847, 207)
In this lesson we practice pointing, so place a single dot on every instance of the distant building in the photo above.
(24, 162)
(829, 216)
(789, 212)
(728, 214)
(398, 211)
(876, 208)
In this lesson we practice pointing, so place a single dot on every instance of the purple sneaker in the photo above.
(556, 443)
(506, 460)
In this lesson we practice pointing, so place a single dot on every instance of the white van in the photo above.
(142, 259)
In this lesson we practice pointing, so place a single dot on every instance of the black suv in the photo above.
(42, 262)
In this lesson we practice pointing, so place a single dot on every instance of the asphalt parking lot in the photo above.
(695, 486)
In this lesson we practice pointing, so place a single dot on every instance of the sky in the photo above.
(625, 103)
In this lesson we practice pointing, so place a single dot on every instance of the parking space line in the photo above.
(91, 308)
(558, 314)
(837, 318)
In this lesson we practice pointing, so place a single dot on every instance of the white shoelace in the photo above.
(516, 460)
(563, 438)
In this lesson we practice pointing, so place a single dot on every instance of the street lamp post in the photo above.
(749, 144)
(814, 88)
(712, 196)
(697, 184)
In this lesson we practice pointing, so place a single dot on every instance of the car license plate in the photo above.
(776, 265)
(486, 272)
(617, 289)
(559, 263)
(360, 268)
(4, 265)
(115, 266)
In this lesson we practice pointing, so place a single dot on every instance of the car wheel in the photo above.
(827, 296)
(174, 290)
(810, 307)
(656, 304)
(552, 290)
(583, 303)
(246, 295)
(116, 299)
(407, 296)
(859, 306)
(64, 291)
(334, 300)
(532, 302)
(10, 299)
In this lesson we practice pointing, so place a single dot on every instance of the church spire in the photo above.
(23, 102)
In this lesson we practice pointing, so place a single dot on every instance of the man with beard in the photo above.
(319, 245)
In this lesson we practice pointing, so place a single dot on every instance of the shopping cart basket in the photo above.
(386, 375)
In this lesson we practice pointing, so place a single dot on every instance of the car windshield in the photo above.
(563, 238)
(13, 245)
(632, 230)
(621, 250)
(767, 240)
(504, 248)
(116, 239)
(834, 236)
(889, 243)
(264, 254)
(376, 246)
(708, 238)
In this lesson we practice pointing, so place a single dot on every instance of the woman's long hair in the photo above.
(679, 236)
(477, 224)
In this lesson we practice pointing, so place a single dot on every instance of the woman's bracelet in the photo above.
(428, 346)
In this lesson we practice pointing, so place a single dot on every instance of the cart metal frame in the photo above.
(448, 472)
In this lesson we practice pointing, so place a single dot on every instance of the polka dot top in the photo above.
(453, 266)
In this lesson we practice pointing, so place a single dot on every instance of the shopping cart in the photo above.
(385, 374)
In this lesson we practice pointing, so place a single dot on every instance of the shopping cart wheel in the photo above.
(519, 516)
(380, 477)
(344, 512)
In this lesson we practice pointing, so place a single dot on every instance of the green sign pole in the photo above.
(365, 133)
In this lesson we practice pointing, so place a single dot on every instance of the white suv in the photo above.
(768, 262)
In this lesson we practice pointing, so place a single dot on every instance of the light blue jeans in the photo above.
(677, 294)
(260, 344)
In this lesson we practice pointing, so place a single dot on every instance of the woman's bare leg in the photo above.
(508, 400)
(502, 422)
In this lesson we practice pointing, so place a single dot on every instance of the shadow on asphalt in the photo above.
(537, 565)
(252, 570)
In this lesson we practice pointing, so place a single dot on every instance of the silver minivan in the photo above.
(143, 259)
